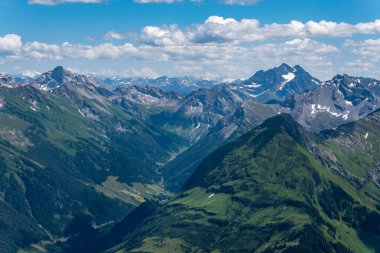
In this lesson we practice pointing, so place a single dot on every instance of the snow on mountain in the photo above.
(341, 99)
(288, 77)
(276, 84)
(30, 74)
(7, 81)
(58, 76)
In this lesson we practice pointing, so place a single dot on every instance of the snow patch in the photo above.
(253, 85)
(345, 116)
(348, 102)
(288, 77)
(190, 110)
(366, 136)
(34, 106)
(211, 195)
(81, 113)
(320, 108)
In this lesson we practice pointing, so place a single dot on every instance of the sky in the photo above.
(202, 38)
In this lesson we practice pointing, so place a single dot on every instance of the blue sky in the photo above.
(229, 38)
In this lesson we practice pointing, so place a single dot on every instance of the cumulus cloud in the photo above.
(241, 2)
(57, 2)
(162, 1)
(239, 60)
(218, 46)
(188, 56)
(156, 1)
(111, 35)
(166, 36)
(368, 50)
(228, 30)
(40, 51)
(10, 45)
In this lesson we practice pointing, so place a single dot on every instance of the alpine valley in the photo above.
(279, 162)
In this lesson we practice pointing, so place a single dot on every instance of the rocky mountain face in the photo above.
(277, 83)
(200, 111)
(145, 101)
(7, 81)
(207, 118)
(341, 99)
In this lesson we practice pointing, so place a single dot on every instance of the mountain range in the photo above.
(181, 85)
(189, 165)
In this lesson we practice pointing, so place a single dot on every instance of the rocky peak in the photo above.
(285, 67)
(58, 74)
(278, 83)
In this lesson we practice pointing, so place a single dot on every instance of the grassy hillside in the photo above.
(63, 156)
(270, 191)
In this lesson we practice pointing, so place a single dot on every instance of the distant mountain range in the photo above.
(76, 149)
(181, 85)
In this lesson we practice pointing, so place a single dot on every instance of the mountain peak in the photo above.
(279, 83)
(58, 74)
(299, 68)
(282, 124)
(162, 78)
(285, 67)
(59, 68)
(287, 123)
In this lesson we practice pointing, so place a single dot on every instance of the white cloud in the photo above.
(111, 35)
(368, 50)
(37, 50)
(156, 1)
(166, 36)
(163, 1)
(226, 30)
(57, 2)
(10, 45)
(195, 58)
(241, 2)
(219, 20)
(219, 46)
